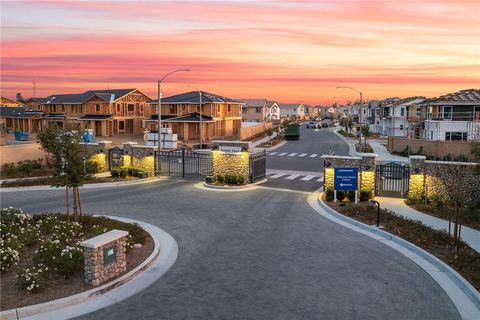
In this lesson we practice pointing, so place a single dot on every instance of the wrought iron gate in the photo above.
(183, 163)
(258, 166)
(392, 179)
(115, 158)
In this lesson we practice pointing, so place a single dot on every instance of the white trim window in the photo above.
(447, 112)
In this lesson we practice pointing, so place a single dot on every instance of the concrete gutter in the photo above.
(463, 295)
(162, 258)
(86, 186)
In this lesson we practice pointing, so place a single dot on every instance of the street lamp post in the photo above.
(160, 104)
(360, 111)
(201, 105)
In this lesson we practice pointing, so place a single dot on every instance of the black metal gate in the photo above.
(258, 166)
(183, 163)
(115, 158)
(392, 179)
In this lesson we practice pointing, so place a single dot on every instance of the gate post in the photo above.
(417, 188)
(367, 171)
(183, 162)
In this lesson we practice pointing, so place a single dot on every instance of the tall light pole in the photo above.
(360, 111)
(200, 129)
(160, 104)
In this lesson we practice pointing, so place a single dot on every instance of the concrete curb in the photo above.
(351, 147)
(86, 186)
(463, 295)
(206, 187)
(162, 258)
(281, 144)
(227, 187)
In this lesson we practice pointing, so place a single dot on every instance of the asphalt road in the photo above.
(301, 159)
(312, 142)
(262, 254)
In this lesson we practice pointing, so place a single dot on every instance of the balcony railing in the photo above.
(455, 116)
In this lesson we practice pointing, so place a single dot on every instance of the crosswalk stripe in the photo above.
(302, 155)
(278, 175)
(313, 155)
(293, 176)
(292, 154)
(272, 153)
(321, 179)
(282, 154)
(306, 178)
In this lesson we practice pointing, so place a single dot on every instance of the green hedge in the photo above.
(230, 179)
(364, 195)
(124, 171)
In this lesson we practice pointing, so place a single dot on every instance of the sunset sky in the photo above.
(289, 51)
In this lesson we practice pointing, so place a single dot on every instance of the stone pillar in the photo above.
(417, 177)
(104, 256)
(105, 145)
(367, 171)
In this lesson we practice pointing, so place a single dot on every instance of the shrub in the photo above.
(30, 235)
(48, 253)
(8, 257)
(123, 171)
(240, 179)
(115, 172)
(25, 166)
(340, 195)
(220, 178)
(33, 279)
(365, 194)
(9, 169)
(415, 198)
(437, 201)
(329, 194)
(69, 261)
(92, 166)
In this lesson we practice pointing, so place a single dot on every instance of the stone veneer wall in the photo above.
(432, 178)
(366, 169)
(95, 272)
(231, 163)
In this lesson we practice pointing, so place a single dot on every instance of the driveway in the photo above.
(261, 254)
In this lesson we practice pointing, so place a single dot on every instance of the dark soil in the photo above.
(12, 296)
(438, 243)
(46, 181)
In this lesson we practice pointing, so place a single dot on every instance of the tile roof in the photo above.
(254, 102)
(463, 97)
(194, 98)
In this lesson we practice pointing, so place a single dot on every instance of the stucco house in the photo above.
(292, 111)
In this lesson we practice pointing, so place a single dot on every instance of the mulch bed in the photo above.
(12, 296)
(467, 263)
(46, 181)
(274, 141)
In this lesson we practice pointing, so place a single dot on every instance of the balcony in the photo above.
(454, 116)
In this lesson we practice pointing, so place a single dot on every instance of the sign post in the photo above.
(346, 179)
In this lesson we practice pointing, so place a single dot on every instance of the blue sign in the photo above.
(346, 179)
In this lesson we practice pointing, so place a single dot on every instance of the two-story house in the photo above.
(107, 112)
(273, 111)
(292, 111)
(221, 117)
(455, 116)
(255, 110)
(395, 115)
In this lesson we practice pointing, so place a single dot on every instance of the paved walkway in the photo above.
(469, 235)
(383, 154)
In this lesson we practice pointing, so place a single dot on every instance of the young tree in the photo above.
(68, 162)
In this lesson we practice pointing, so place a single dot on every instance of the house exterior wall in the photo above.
(254, 114)
(437, 130)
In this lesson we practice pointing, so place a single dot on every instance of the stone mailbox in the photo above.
(105, 256)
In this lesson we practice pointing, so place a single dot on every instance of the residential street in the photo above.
(260, 254)
(298, 165)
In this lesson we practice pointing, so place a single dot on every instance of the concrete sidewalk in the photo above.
(398, 206)
(383, 154)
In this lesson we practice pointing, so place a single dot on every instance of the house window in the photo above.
(418, 112)
(121, 125)
(97, 108)
(258, 110)
(118, 107)
(401, 127)
(447, 113)
(402, 112)
(228, 108)
(459, 136)
(131, 108)
(218, 109)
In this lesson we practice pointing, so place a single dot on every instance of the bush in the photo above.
(365, 194)
(33, 279)
(8, 257)
(340, 195)
(69, 261)
(240, 179)
(220, 178)
(329, 194)
(9, 169)
(48, 253)
(25, 166)
(115, 172)
(92, 166)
